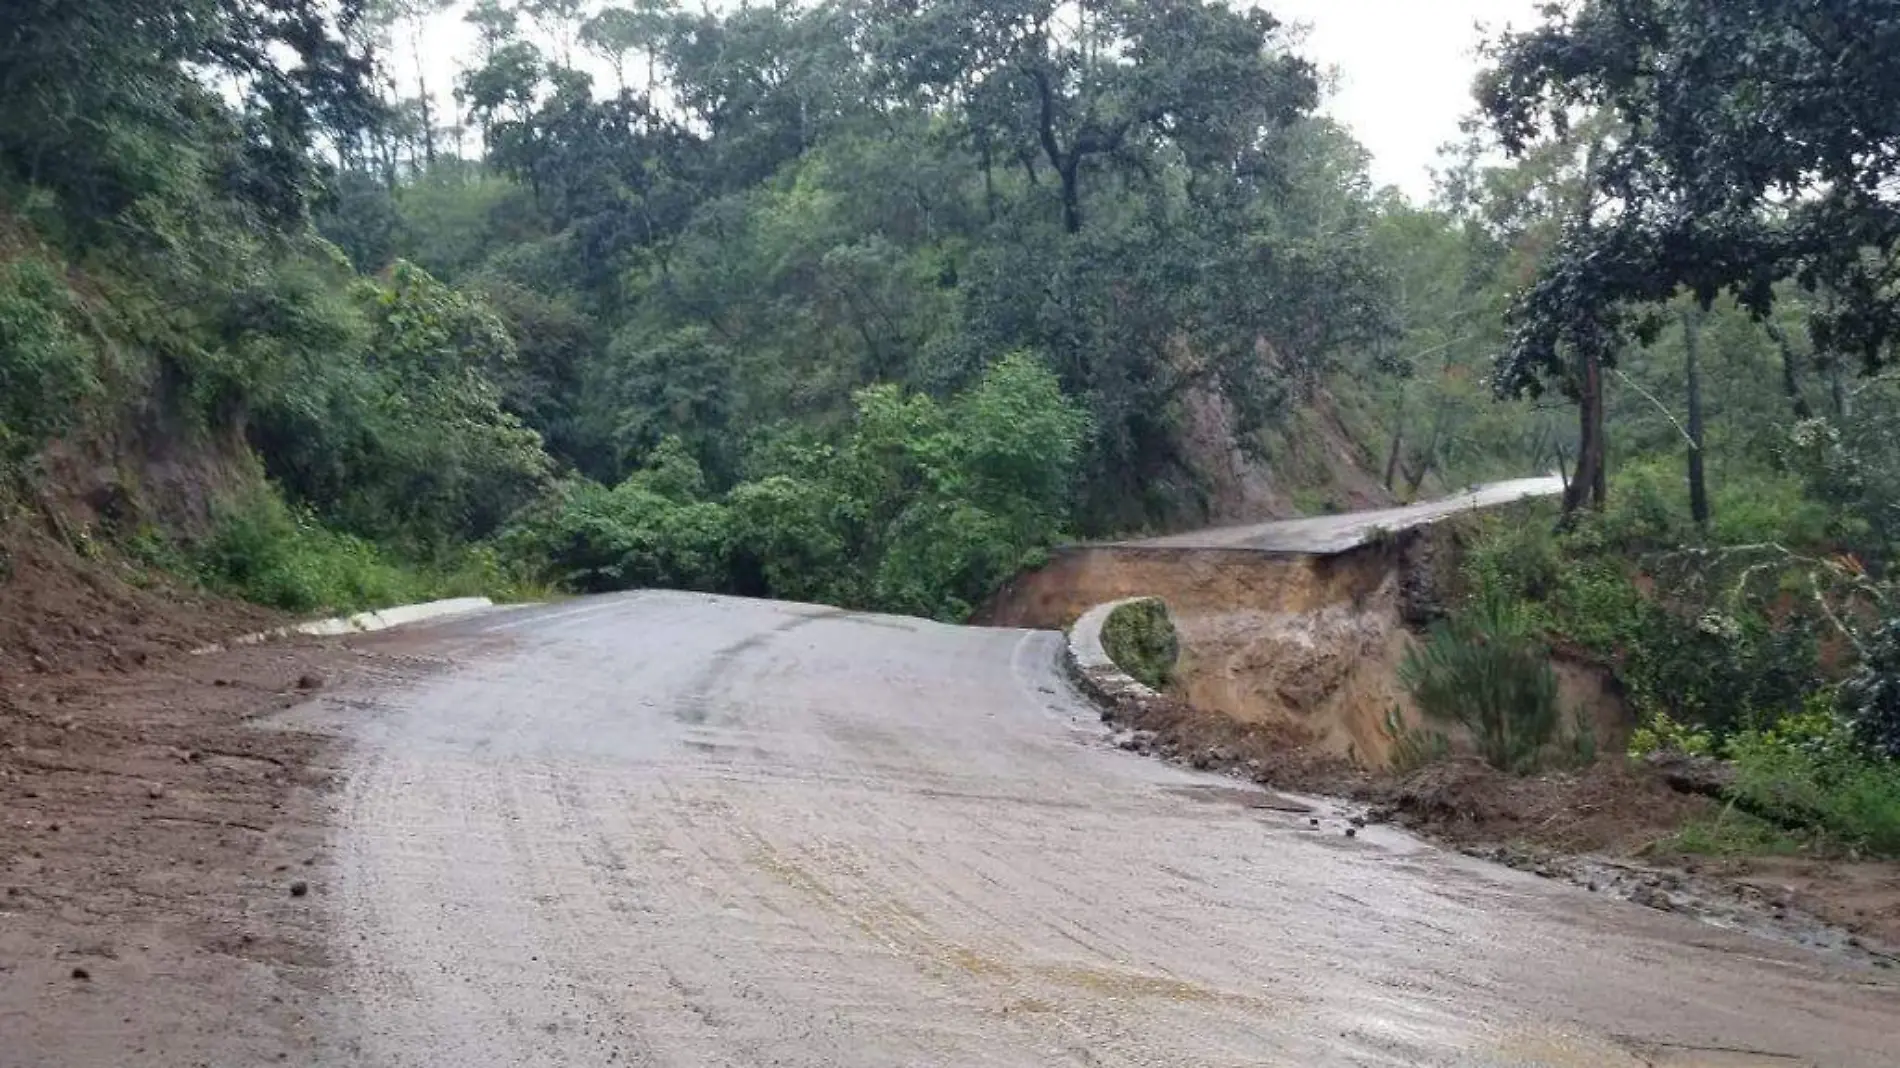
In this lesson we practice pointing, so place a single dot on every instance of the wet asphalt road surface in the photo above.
(667, 829)
(1326, 534)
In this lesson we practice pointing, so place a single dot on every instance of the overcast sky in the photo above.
(1405, 69)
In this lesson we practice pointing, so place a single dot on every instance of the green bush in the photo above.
(783, 529)
(594, 539)
(1482, 669)
(1769, 508)
(387, 420)
(1706, 646)
(45, 368)
(1809, 772)
(1412, 747)
(1647, 505)
(916, 507)
(266, 552)
(1141, 639)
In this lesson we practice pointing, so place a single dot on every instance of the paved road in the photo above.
(665, 829)
(1327, 534)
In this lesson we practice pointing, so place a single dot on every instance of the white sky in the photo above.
(1405, 69)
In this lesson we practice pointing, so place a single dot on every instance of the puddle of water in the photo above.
(1242, 796)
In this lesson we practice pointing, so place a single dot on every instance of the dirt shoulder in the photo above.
(1606, 829)
(159, 842)
(151, 860)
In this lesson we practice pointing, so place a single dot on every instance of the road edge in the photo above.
(360, 623)
(1087, 661)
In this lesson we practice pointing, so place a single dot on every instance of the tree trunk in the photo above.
(1692, 364)
(1590, 485)
(422, 94)
(1398, 443)
(1790, 372)
(989, 182)
(1071, 199)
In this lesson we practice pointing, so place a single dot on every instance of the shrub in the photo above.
(1481, 669)
(1810, 773)
(1412, 747)
(1515, 557)
(1645, 506)
(45, 368)
(263, 551)
(942, 558)
(1662, 734)
(594, 539)
(1769, 508)
(1141, 639)
(783, 529)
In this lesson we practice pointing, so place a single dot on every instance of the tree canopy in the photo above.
(1733, 147)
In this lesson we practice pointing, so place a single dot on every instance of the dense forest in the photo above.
(871, 302)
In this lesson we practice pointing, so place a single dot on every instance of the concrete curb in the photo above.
(360, 623)
(1091, 667)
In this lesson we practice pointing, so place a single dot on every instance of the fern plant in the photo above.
(1482, 668)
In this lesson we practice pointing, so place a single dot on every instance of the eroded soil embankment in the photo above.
(1290, 668)
(1312, 643)
(1269, 640)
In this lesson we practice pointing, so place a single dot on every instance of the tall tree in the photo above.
(1698, 439)
(1075, 84)
(108, 108)
(1755, 143)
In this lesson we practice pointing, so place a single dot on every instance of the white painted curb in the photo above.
(360, 623)
(1094, 670)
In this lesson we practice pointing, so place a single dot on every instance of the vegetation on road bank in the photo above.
(1139, 637)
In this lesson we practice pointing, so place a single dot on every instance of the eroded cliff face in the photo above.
(1310, 642)
(1313, 642)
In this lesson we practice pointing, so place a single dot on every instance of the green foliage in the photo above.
(596, 539)
(1712, 646)
(918, 507)
(1140, 638)
(1412, 747)
(785, 532)
(46, 369)
(1482, 669)
(1809, 772)
(1870, 698)
(265, 551)
(1661, 734)
(1713, 111)
(114, 107)
(1732, 833)
(395, 429)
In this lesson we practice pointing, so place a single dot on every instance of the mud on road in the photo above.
(154, 836)
(666, 829)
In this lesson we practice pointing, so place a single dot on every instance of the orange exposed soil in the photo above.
(1310, 644)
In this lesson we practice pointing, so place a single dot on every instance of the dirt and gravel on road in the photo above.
(157, 848)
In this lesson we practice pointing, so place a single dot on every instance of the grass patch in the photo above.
(264, 551)
(1140, 638)
(1838, 794)
(1732, 833)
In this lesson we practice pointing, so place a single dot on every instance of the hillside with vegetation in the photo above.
(873, 302)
